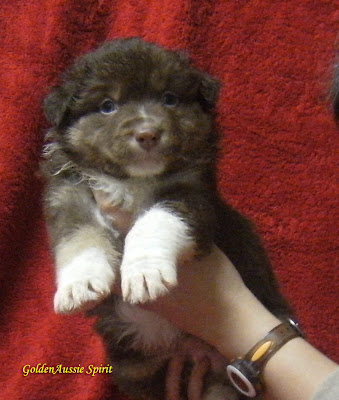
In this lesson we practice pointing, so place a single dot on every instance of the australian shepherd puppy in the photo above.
(131, 192)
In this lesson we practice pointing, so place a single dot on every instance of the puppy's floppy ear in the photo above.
(56, 105)
(208, 91)
(209, 87)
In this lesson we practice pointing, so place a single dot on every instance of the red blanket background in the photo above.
(278, 157)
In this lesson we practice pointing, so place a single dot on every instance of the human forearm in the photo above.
(295, 372)
(212, 303)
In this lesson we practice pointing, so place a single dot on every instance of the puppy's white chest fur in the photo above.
(120, 202)
(131, 195)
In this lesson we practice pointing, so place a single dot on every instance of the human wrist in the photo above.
(244, 323)
(284, 374)
(283, 377)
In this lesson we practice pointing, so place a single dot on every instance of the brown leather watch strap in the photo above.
(270, 344)
(245, 372)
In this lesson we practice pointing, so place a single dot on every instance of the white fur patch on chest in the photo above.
(120, 202)
(131, 195)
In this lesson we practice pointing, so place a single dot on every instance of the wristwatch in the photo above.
(245, 372)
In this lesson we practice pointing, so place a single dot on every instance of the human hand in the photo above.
(206, 297)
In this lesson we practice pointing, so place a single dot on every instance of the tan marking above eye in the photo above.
(115, 93)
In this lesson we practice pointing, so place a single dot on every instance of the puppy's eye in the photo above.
(170, 99)
(108, 107)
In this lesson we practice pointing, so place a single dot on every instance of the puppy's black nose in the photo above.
(147, 139)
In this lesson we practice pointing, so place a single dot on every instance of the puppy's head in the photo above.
(133, 109)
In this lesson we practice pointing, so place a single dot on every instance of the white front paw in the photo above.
(84, 281)
(145, 278)
(152, 248)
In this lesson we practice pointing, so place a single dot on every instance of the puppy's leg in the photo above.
(152, 248)
(86, 251)
(85, 274)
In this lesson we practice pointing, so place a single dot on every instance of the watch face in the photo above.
(240, 382)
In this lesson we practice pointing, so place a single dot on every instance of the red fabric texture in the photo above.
(277, 164)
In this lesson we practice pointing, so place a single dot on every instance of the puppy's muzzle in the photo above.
(147, 139)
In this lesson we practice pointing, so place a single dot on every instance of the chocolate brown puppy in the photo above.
(130, 164)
